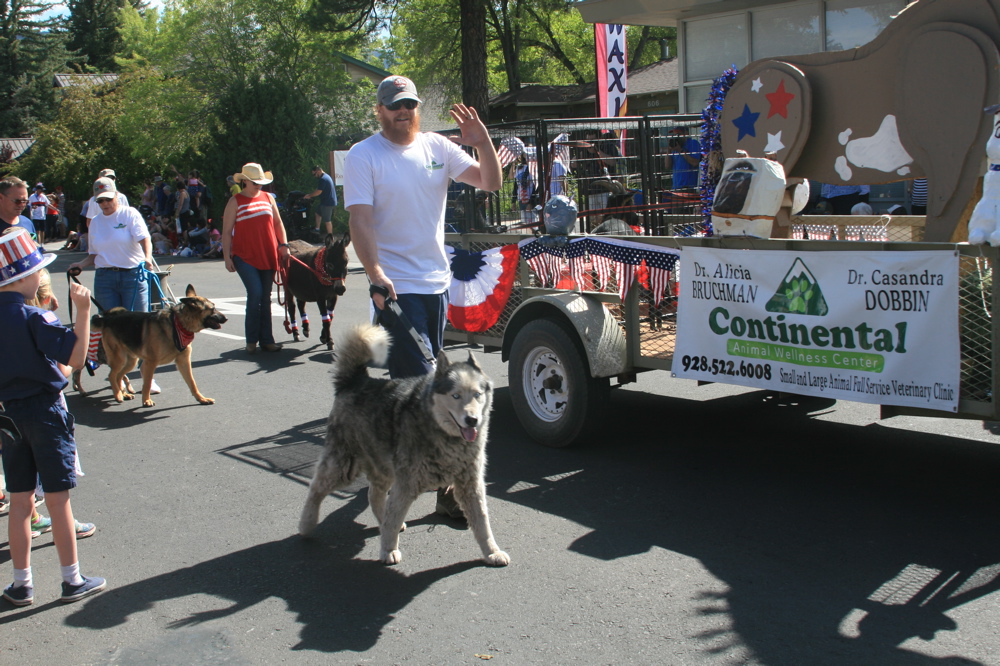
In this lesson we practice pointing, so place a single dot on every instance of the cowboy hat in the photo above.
(254, 173)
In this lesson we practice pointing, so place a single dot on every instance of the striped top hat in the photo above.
(19, 256)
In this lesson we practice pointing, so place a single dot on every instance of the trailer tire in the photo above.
(554, 396)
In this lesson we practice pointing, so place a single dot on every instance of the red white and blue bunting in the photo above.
(481, 283)
(609, 257)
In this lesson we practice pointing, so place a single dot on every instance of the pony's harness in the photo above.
(318, 268)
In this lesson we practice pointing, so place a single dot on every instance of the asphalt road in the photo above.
(706, 525)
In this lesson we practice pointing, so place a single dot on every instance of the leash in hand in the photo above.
(392, 307)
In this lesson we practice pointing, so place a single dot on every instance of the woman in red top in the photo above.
(253, 237)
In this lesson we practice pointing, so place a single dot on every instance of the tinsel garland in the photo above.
(711, 143)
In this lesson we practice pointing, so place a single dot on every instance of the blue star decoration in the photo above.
(745, 123)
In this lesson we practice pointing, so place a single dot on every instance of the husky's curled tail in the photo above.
(361, 345)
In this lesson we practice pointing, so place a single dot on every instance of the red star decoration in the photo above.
(779, 100)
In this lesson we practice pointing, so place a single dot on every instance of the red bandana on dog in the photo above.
(182, 336)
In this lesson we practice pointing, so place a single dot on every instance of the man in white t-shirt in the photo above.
(38, 203)
(395, 189)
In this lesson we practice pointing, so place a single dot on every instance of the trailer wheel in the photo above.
(554, 396)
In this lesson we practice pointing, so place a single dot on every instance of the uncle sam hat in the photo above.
(19, 256)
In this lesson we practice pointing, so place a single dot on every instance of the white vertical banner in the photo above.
(875, 327)
(612, 75)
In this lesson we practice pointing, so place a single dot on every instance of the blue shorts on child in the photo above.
(45, 449)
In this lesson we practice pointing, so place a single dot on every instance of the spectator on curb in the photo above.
(13, 199)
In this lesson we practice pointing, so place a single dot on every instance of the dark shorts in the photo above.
(326, 213)
(45, 448)
(428, 313)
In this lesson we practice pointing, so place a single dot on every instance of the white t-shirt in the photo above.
(407, 186)
(114, 239)
(38, 211)
(93, 210)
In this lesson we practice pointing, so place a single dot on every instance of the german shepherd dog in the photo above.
(157, 338)
(408, 436)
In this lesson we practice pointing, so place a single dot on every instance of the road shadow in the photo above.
(834, 543)
(360, 596)
(98, 408)
(837, 543)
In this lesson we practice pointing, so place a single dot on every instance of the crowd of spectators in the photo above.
(176, 210)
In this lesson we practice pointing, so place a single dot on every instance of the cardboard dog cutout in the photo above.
(984, 225)
(909, 104)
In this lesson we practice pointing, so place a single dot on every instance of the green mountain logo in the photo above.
(433, 166)
(798, 293)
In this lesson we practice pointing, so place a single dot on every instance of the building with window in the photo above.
(652, 90)
(714, 35)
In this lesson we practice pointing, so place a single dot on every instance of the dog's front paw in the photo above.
(145, 403)
(497, 559)
(392, 557)
(205, 401)
(308, 521)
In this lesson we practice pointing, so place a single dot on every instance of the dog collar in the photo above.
(182, 336)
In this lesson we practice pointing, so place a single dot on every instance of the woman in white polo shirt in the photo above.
(118, 244)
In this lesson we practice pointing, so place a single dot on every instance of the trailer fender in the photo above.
(599, 333)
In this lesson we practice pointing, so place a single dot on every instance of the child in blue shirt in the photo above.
(33, 357)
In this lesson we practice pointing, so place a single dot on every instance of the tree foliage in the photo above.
(84, 138)
(94, 27)
(527, 41)
(207, 85)
(32, 50)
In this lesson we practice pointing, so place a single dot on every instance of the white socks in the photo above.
(71, 574)
(22, 577)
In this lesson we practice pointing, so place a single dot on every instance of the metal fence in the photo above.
(868, 228)
(650, 327)
(626, 175)
(618, 171)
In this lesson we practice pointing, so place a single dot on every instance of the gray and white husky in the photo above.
(408, 436)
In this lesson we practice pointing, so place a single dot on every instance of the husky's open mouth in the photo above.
(468, 433)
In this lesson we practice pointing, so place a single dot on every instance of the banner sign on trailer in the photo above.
(612, 77)
(880, 328)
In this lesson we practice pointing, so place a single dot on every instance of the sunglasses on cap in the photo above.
(409, 104)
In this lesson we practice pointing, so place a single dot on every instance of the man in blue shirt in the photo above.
(327, 193)
(13, 199)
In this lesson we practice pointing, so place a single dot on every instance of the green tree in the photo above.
(84, 138)
(527, 41)
(94, 29)
(248, 80)
(475, 92)
(32, 50)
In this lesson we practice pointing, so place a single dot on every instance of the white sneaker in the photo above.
(154, 388)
